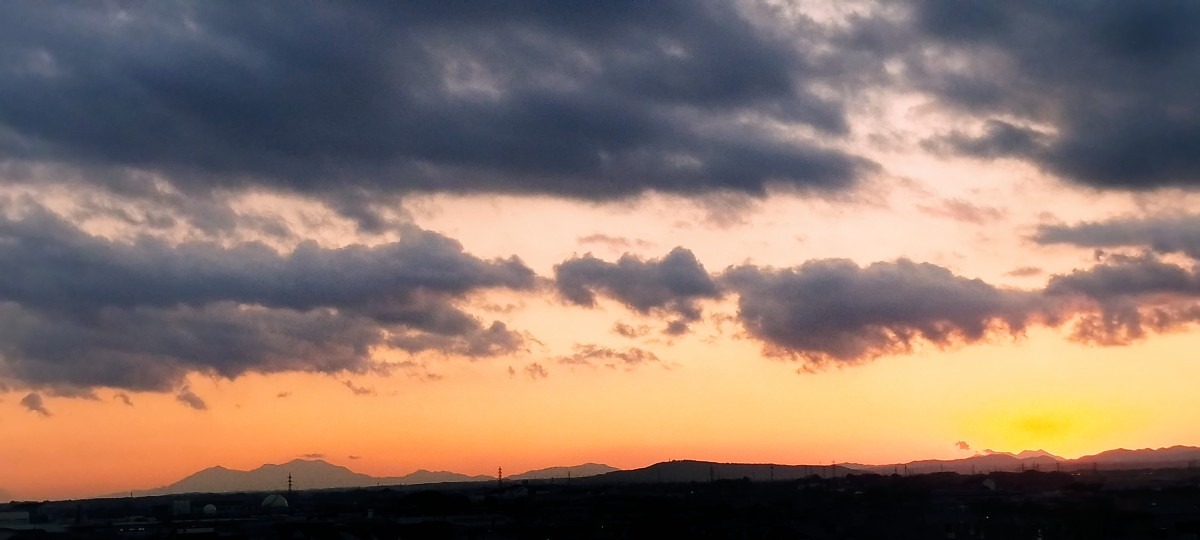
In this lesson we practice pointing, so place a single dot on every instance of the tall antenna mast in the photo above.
(289, 484)
(500, 476)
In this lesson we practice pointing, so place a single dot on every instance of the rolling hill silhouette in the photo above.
(1175, 456)
(1149, 458)
(318, 474)
(577, 471)
(975, 464)
(306, 474)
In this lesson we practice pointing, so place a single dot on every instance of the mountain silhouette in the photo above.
(576, 471)
(306, 474)
(1175, 456)
(319, 474)
(423, 476)
(1150, 458)
(1026, 454)
(980, 463)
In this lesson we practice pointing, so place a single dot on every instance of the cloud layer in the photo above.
(835, 310)
(1154, 290)
(672, 285)
(1166, 234)
(346, 100)
(353, 106)
(77, 310)
(355, 103)
(1097, 92)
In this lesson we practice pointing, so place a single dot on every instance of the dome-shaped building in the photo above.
(274, 501)
(209, 510)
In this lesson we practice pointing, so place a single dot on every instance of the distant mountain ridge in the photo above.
(979, 463)
(988, 461)
(318, 474)
(577, 471)
(1174, 456)
(310, 473)
(1026, 454)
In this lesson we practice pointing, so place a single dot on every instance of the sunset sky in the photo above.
(457, 236)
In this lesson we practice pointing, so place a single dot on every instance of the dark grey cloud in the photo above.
(536, 371)
(154, 349)
(833, 310)
(1130, 297)
(51, 265)
(676, 328)
(836, 311)
(672, 285)
(1113, 82)
(630, 331)
(349, 101)
(79, 311)
(312, 456)
(473, 340)
(158, 208)
(592, 355)
(1164, 234)
(187, 397)
(33, 403)
(358, 390)
(123, 398)
(614, 242)
(1025, 271)
(999, 140)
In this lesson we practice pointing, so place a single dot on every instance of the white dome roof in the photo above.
(274, 500)
(209, 510)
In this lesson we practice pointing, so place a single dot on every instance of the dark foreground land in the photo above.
(1145, 504)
